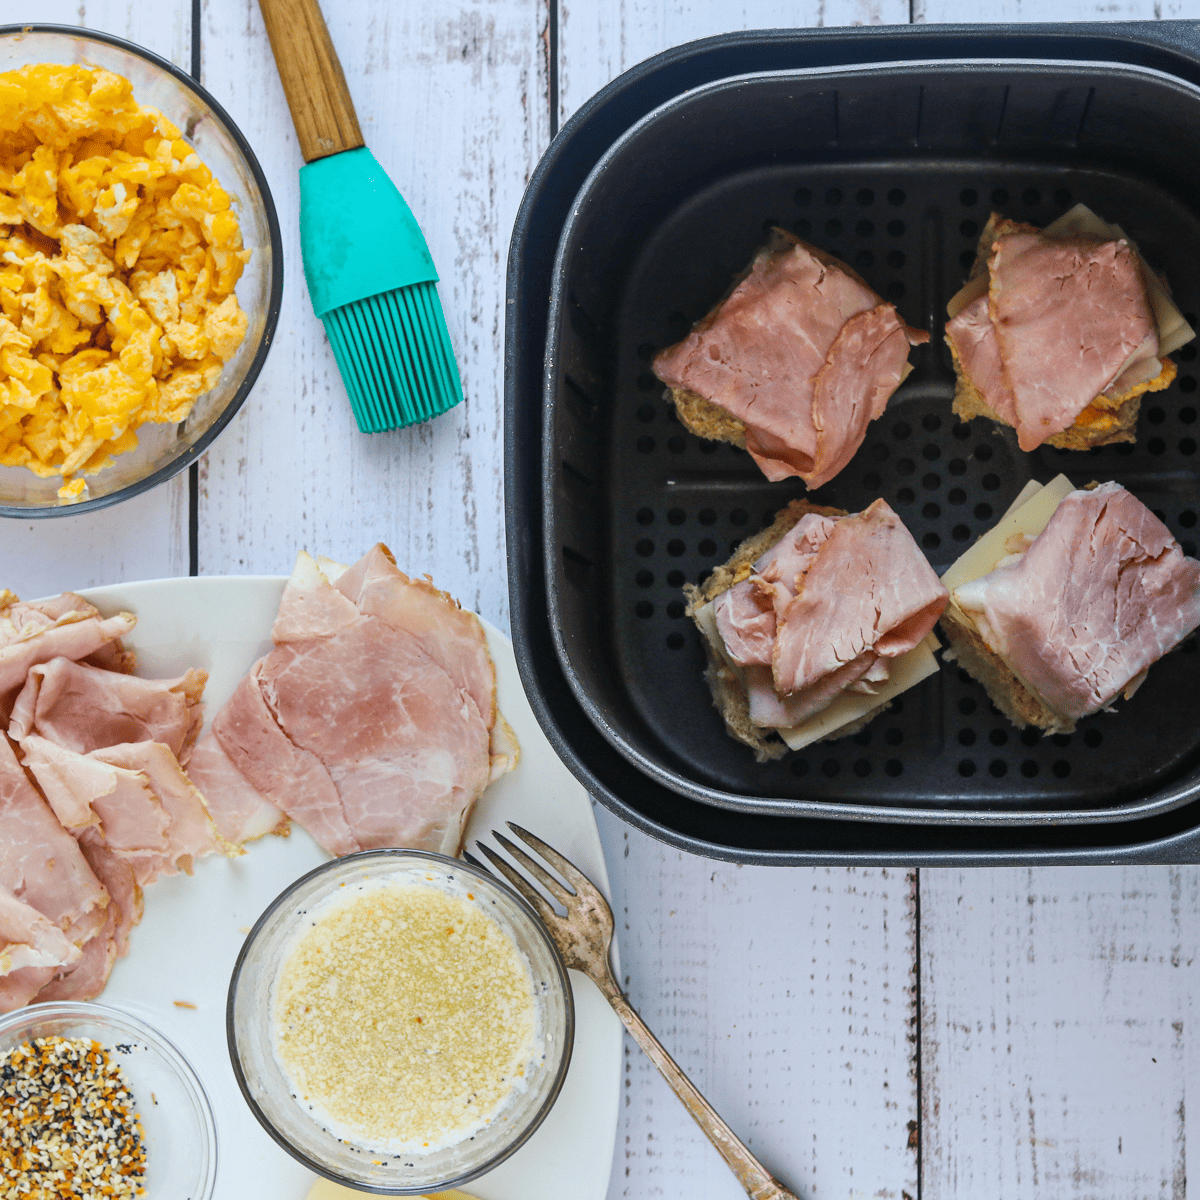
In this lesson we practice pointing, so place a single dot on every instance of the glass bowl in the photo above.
(177, 1122)
(250, 1027)
(165, 450)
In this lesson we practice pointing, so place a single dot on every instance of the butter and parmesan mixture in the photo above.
(119, 253)
(68, 1124)
(404, 1016)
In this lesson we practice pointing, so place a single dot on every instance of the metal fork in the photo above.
(584, 938)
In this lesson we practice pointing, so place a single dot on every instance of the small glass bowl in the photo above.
(165, 450)
(177, 1122)
(250, 1025)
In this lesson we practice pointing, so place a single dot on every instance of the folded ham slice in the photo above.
(239, 810)
(824, 611)
(84, 708)
(373, 722)
(802, 353)
(33, 950)
(1069, 315)
(1102, 592)
(67, 626)
(1054, 324)
(133, 799)
(39, 861)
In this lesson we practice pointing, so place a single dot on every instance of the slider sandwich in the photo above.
(792, 364)
(1068, 601)
(1060, 331)
(815, 624)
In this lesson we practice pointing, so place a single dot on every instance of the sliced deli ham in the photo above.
(373, 722)
(83, 708)
(1070, 314)
(33, 950)
(1102, 593)
(825, 610)
(239, 810)
(65, 627)
(802, 353)
(1059, 332)
(39, 861)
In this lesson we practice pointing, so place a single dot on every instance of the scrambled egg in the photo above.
(118, 258)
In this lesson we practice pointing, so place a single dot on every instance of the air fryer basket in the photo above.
(1161, 827)
(882, 167)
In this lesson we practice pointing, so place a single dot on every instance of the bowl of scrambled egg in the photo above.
(141, 270)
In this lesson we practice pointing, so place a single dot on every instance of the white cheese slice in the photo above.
(1028, 515)
(906, 671)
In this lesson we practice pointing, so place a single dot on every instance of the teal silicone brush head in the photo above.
(393, 351)
(373, 284)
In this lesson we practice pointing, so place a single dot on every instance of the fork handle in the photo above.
(759, 1183)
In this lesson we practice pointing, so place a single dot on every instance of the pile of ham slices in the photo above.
(94, 802)
(826, 610)
(372, 723)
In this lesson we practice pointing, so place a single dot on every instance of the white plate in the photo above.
(185, 946)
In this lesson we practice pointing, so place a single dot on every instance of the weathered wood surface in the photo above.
(146, 538)
(452, 99)
(789, 998)
(1060, 1032)
(1056, 1033)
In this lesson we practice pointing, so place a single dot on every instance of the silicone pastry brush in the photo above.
(370, 275)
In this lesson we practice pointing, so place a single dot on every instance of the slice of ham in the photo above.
(1070, 314)
(389, 724)
(862, 369)
(870, 595)
(239, 810)
(747, 613)
(40, 862)
(37, 631)
(33, 950)
(373, 722)
(772, 355)
(83, 708)
(134, 799)
(452, 637)
(1103, 592)
(824, 611)
(973, 337)
(288, 777)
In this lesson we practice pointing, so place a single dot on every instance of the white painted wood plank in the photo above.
(597, 41)
(146, 538)
(1059, 1032)
(952, 11)
(453, 101)
(787, 996)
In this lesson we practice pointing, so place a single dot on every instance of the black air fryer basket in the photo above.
(887, 148)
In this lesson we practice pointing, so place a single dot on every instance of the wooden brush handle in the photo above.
(316, 91)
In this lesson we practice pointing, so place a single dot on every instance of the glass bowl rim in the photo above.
(274, 300)
(156, 1041)
(521, 905)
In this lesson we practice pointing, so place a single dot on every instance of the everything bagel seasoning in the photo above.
(69, 1129)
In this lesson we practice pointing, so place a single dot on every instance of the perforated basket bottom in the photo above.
(678, 505)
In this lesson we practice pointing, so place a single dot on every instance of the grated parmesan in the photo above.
(404, 1016)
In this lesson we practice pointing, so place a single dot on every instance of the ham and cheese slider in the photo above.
(1068, 601)
(815, 624)
(792, 364)
(1059, 332)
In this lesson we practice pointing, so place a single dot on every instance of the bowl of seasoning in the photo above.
(95, 1102)
(400, 1022)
